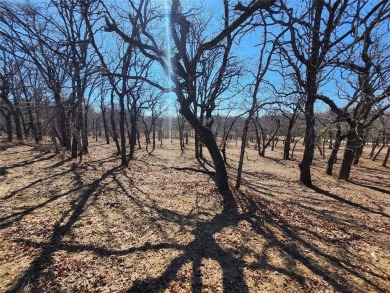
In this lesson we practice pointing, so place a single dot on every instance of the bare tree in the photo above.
(318, 32)
(184, 69)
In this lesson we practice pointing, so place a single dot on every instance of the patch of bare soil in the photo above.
(159, 225)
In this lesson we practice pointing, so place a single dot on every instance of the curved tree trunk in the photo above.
(211, 144)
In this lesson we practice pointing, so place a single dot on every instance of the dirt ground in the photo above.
(96, 227)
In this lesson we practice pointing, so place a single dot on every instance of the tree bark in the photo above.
(242, 151)
(122, 129)
(308, 154)
(333, 156)
(106, 132)
(211, 144)
(349, 152)
(386, 157)
(359, 144)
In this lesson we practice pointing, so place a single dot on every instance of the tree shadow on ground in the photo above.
(346, 201)
(277, 232)
(60, 229)
(386, 191)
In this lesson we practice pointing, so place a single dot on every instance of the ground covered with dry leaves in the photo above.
(159, 226)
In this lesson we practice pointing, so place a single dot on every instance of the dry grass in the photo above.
(97, 227)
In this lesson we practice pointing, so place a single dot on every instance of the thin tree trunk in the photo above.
(53, 139)
(333, 156)
(106, 133)
(287, 142)
(31, 122)
(122, 129)
(386, 157)
(133, 134)
(379, 151)
(242, 151)
(113, 125)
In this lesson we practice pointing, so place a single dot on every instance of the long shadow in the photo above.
(36, 269)
(40, 180)
(10, 219)
(38, 158)
(346, 201)
(336, 280)
(203, 246)
(385, 191)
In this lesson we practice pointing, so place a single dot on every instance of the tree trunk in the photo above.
(86, 110)
(83, 130)
(386, 157)
(153, 135)
(379, 151)
(359, 144)
(15, 110)
(122, 129)
(62, 121)
(106, 133)
(333, 156)
(53, 139)
(74, 147)
(139, 139)
(308, 153)
(31, 122)
(242, 151)
(211, 144)
(8, 123)
(133, 133)
(349, 152)
(287, 142)
(113, 125)
(374, 145)
(330, 139)
(39, 123)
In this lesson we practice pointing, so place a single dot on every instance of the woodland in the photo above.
(194, 146)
